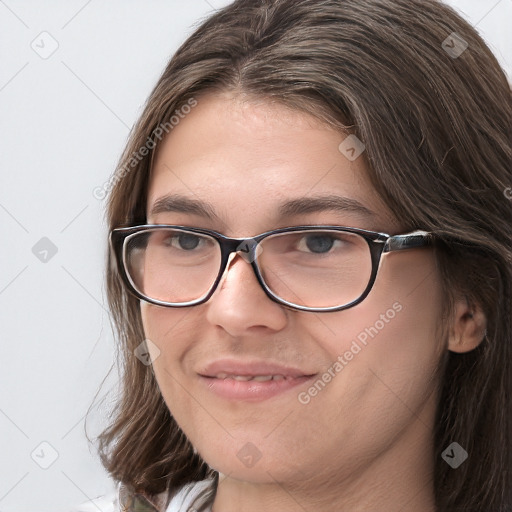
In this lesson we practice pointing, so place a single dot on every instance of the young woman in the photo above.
(310, 268)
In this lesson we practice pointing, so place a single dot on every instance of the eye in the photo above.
(184, 241)
(319, 243)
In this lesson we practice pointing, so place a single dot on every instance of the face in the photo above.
(359, 382)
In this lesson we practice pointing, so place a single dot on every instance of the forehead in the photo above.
(246, 158)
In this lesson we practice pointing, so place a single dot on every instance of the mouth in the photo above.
(251, 381)
(246, 378)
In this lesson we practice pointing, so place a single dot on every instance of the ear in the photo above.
(469, 327)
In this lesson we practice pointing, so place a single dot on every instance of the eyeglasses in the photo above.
(307, 268)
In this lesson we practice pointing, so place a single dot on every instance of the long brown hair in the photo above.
(437, 129)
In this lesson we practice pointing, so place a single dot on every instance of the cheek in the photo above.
(384, 352)
(170, 330)
(399, 319)
(160, 323)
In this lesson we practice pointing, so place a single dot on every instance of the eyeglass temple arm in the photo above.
(409, 241)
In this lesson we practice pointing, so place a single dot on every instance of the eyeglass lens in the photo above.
(321, 268)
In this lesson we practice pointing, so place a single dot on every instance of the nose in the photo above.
(239, 305)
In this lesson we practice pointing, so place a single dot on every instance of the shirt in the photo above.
(179, 500)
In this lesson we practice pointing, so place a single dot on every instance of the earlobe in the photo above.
(468, 328)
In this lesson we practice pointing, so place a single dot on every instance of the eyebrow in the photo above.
(304, 205)
(182, 204)
(324, 203)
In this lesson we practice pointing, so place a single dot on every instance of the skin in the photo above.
(364, 443)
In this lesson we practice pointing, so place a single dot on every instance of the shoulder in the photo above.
(184, 497)
(125, 500)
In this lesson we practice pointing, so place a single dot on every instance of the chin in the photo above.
(244, 460)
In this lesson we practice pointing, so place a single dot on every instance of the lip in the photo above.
(251, 390)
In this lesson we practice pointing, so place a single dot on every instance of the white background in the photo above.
(63, 123)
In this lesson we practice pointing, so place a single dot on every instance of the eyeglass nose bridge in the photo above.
(249, 249)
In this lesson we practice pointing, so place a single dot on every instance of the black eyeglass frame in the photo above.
(379, 243)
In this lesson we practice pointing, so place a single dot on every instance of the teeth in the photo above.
(241, 377)
(245, 378)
